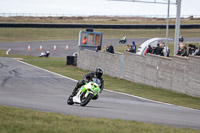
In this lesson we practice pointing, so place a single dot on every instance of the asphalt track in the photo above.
(21, 48)
(26, 86)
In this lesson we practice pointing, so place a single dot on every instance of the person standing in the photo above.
(110, 48)
(182, 50)
(158, 50)
(181, 39)
(134, 47)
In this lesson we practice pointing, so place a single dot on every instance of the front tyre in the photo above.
(86, 100)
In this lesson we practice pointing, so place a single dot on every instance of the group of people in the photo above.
(131, 48)
(184, 51)
(160, 50)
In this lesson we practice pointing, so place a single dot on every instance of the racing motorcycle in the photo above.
(85, 93)
(123, 40)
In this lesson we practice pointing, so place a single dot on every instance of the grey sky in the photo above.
(96, 7)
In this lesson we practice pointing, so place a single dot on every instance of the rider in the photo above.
(87, 78)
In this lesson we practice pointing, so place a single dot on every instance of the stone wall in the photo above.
(177, 73)
(193, 84)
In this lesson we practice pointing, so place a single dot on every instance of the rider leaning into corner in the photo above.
(87, 78)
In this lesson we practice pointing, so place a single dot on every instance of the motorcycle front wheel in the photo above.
(86, 100)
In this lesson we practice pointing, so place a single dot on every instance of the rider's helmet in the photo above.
(98, 72)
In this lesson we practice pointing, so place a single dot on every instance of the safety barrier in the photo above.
(97, 26)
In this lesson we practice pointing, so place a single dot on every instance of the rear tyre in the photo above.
(86, 100)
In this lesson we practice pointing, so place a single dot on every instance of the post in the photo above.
(167, 28)
(177, 30)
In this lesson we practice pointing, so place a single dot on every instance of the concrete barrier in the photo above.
(178, 74)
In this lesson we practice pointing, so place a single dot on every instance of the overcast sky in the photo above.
(96, 7)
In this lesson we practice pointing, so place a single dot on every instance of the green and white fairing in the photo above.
(87, 92)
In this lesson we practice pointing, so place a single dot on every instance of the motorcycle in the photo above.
(85, 93)
(123, 40)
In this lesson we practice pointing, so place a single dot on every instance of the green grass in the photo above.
(15, 120)
(38, 34)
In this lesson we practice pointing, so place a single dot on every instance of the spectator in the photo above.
(182, 50)
(84, 40)
(149, 49)
(192, 49)
(181, 39)
(153, 50)
(110, 48)
(131, 49)
(98, 47)
(165, 51)
(134, 47)
(179, 50)
(159, 49)
(198, 52)
(127, 48)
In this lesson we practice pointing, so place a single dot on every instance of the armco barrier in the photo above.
(97, 26)
(177, 73)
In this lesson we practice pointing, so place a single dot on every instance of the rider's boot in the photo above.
(78, 85)
(74, 92)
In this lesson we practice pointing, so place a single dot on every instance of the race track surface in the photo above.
(25, 86)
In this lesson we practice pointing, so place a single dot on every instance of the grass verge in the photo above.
(38, 34)
(15, 120)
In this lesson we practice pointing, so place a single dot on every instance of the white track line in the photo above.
(109, 90)
(48, 71)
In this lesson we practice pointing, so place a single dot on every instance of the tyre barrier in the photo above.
(97, 26)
